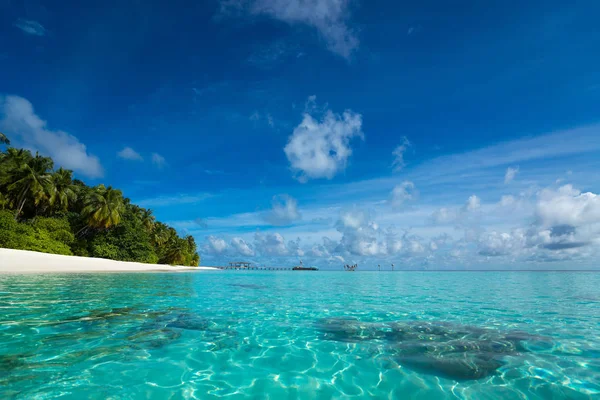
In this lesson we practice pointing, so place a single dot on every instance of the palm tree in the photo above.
(142, 214)
(11, 160)
(62, 190)
(4, 139)
(147, 219)
(161, 234)
(30, 181)
(104, 207)
(176, 252)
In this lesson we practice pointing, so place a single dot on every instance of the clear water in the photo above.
(301, 335)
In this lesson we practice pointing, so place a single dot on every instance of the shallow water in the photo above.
(301, 335)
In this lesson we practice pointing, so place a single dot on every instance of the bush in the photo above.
(23, 236)
(105, 250)
(59, 229)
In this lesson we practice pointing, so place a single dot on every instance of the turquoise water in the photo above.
(301, 335)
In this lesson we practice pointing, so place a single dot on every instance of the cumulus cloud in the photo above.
(270, 244)
(30, 27)
(510, 174)
(362, 236)
(130, 154)
(566, 226)
(558, 224)
(284, 211)
(507, 201)
(398, 154)
(329, 17)
(446, 215)
(241, 247)
(565, 220)
(473, 203)
(19, 120)
(567, 206)
(402, 193)
(493, 244)
(215, 245)
(158, 160)
(321, 148)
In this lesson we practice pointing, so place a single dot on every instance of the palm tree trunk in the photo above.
(20, 209)
(82, 231)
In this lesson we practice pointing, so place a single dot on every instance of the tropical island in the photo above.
(46, 210)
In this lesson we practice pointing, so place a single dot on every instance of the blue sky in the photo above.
(430, 135)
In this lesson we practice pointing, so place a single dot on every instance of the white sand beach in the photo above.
(21, 261)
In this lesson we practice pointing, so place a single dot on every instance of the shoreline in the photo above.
(32, 262)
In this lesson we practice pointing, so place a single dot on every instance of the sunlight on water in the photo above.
(293, 335)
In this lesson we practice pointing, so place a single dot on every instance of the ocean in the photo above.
(301, 335)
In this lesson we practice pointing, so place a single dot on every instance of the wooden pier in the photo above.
(250, 268)
(246, 266)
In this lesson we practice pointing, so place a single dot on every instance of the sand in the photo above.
(21, 261)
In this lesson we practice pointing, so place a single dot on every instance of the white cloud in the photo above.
(473, 203)
(510, 174)
(492, 244)
(398, 154)
(158, 160)
(406, 191)
(284, 211)
(30, 27)
(21, 122)
(446, 215)
(329, 17)
(360, 236)
(320, 149)
(566, 227)
(270, 244)
(567, 206)
(215, 245)
(130, 154)
(241, 247)
(507, 201)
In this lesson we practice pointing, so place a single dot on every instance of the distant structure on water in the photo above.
(348, 267)
(239, 265)
(301, 267)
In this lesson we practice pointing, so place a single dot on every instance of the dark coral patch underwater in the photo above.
(441, 348)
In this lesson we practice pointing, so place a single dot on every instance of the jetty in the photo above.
(247, 266)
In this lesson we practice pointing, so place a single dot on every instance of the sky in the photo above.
(428, 135)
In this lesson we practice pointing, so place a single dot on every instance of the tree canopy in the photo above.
(44, 209)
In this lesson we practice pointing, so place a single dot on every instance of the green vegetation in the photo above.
(46, 210)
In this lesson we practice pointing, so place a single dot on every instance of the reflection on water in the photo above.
(295, 335)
